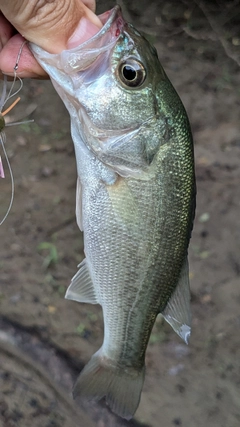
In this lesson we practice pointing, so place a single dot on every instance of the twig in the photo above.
(218, 32)
(61, 226)
(199, 35)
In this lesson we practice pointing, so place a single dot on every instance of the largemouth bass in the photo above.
(135, 200)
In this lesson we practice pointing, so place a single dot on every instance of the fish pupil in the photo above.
(129, 73)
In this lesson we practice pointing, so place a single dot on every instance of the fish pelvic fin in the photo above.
(81, 288)
(177, 312)
(121, 386)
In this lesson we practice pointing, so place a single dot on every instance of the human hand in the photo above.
(53, 25)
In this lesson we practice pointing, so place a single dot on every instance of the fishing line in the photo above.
(4, 92)
(11, 93)
(3, 140)
(15, 77)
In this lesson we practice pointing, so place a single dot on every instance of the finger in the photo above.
(6, 31)
(91, 4)
(27, 65)
(49, 24)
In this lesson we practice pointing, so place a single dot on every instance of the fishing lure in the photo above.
(5, 97)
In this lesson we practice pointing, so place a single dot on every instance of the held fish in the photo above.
(135, 200)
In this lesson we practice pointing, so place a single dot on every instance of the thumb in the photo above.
(53, 25)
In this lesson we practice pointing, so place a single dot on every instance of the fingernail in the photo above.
(84, 31)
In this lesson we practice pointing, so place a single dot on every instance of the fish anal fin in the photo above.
(81, 288)
(121, 387)
(177, 312)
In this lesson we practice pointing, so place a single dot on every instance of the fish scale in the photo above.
(135, 200)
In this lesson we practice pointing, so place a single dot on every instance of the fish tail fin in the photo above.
(122, 387)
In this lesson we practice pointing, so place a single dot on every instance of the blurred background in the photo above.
(45, 340)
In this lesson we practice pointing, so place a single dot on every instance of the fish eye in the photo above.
(132, 73)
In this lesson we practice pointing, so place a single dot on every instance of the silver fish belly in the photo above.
(135, 200)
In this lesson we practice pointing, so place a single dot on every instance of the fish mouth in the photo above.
(112, 16)
(81, 57)
(113, 24)
(107, 19)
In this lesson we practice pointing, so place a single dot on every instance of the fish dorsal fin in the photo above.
(79, 204)
(81, 288)
(177, 312)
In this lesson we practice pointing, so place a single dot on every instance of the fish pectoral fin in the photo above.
(81, 288)
(121, 387)
(177, 312)
(79, 204)
(123, 203)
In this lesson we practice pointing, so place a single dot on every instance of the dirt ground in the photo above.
(45, 340)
